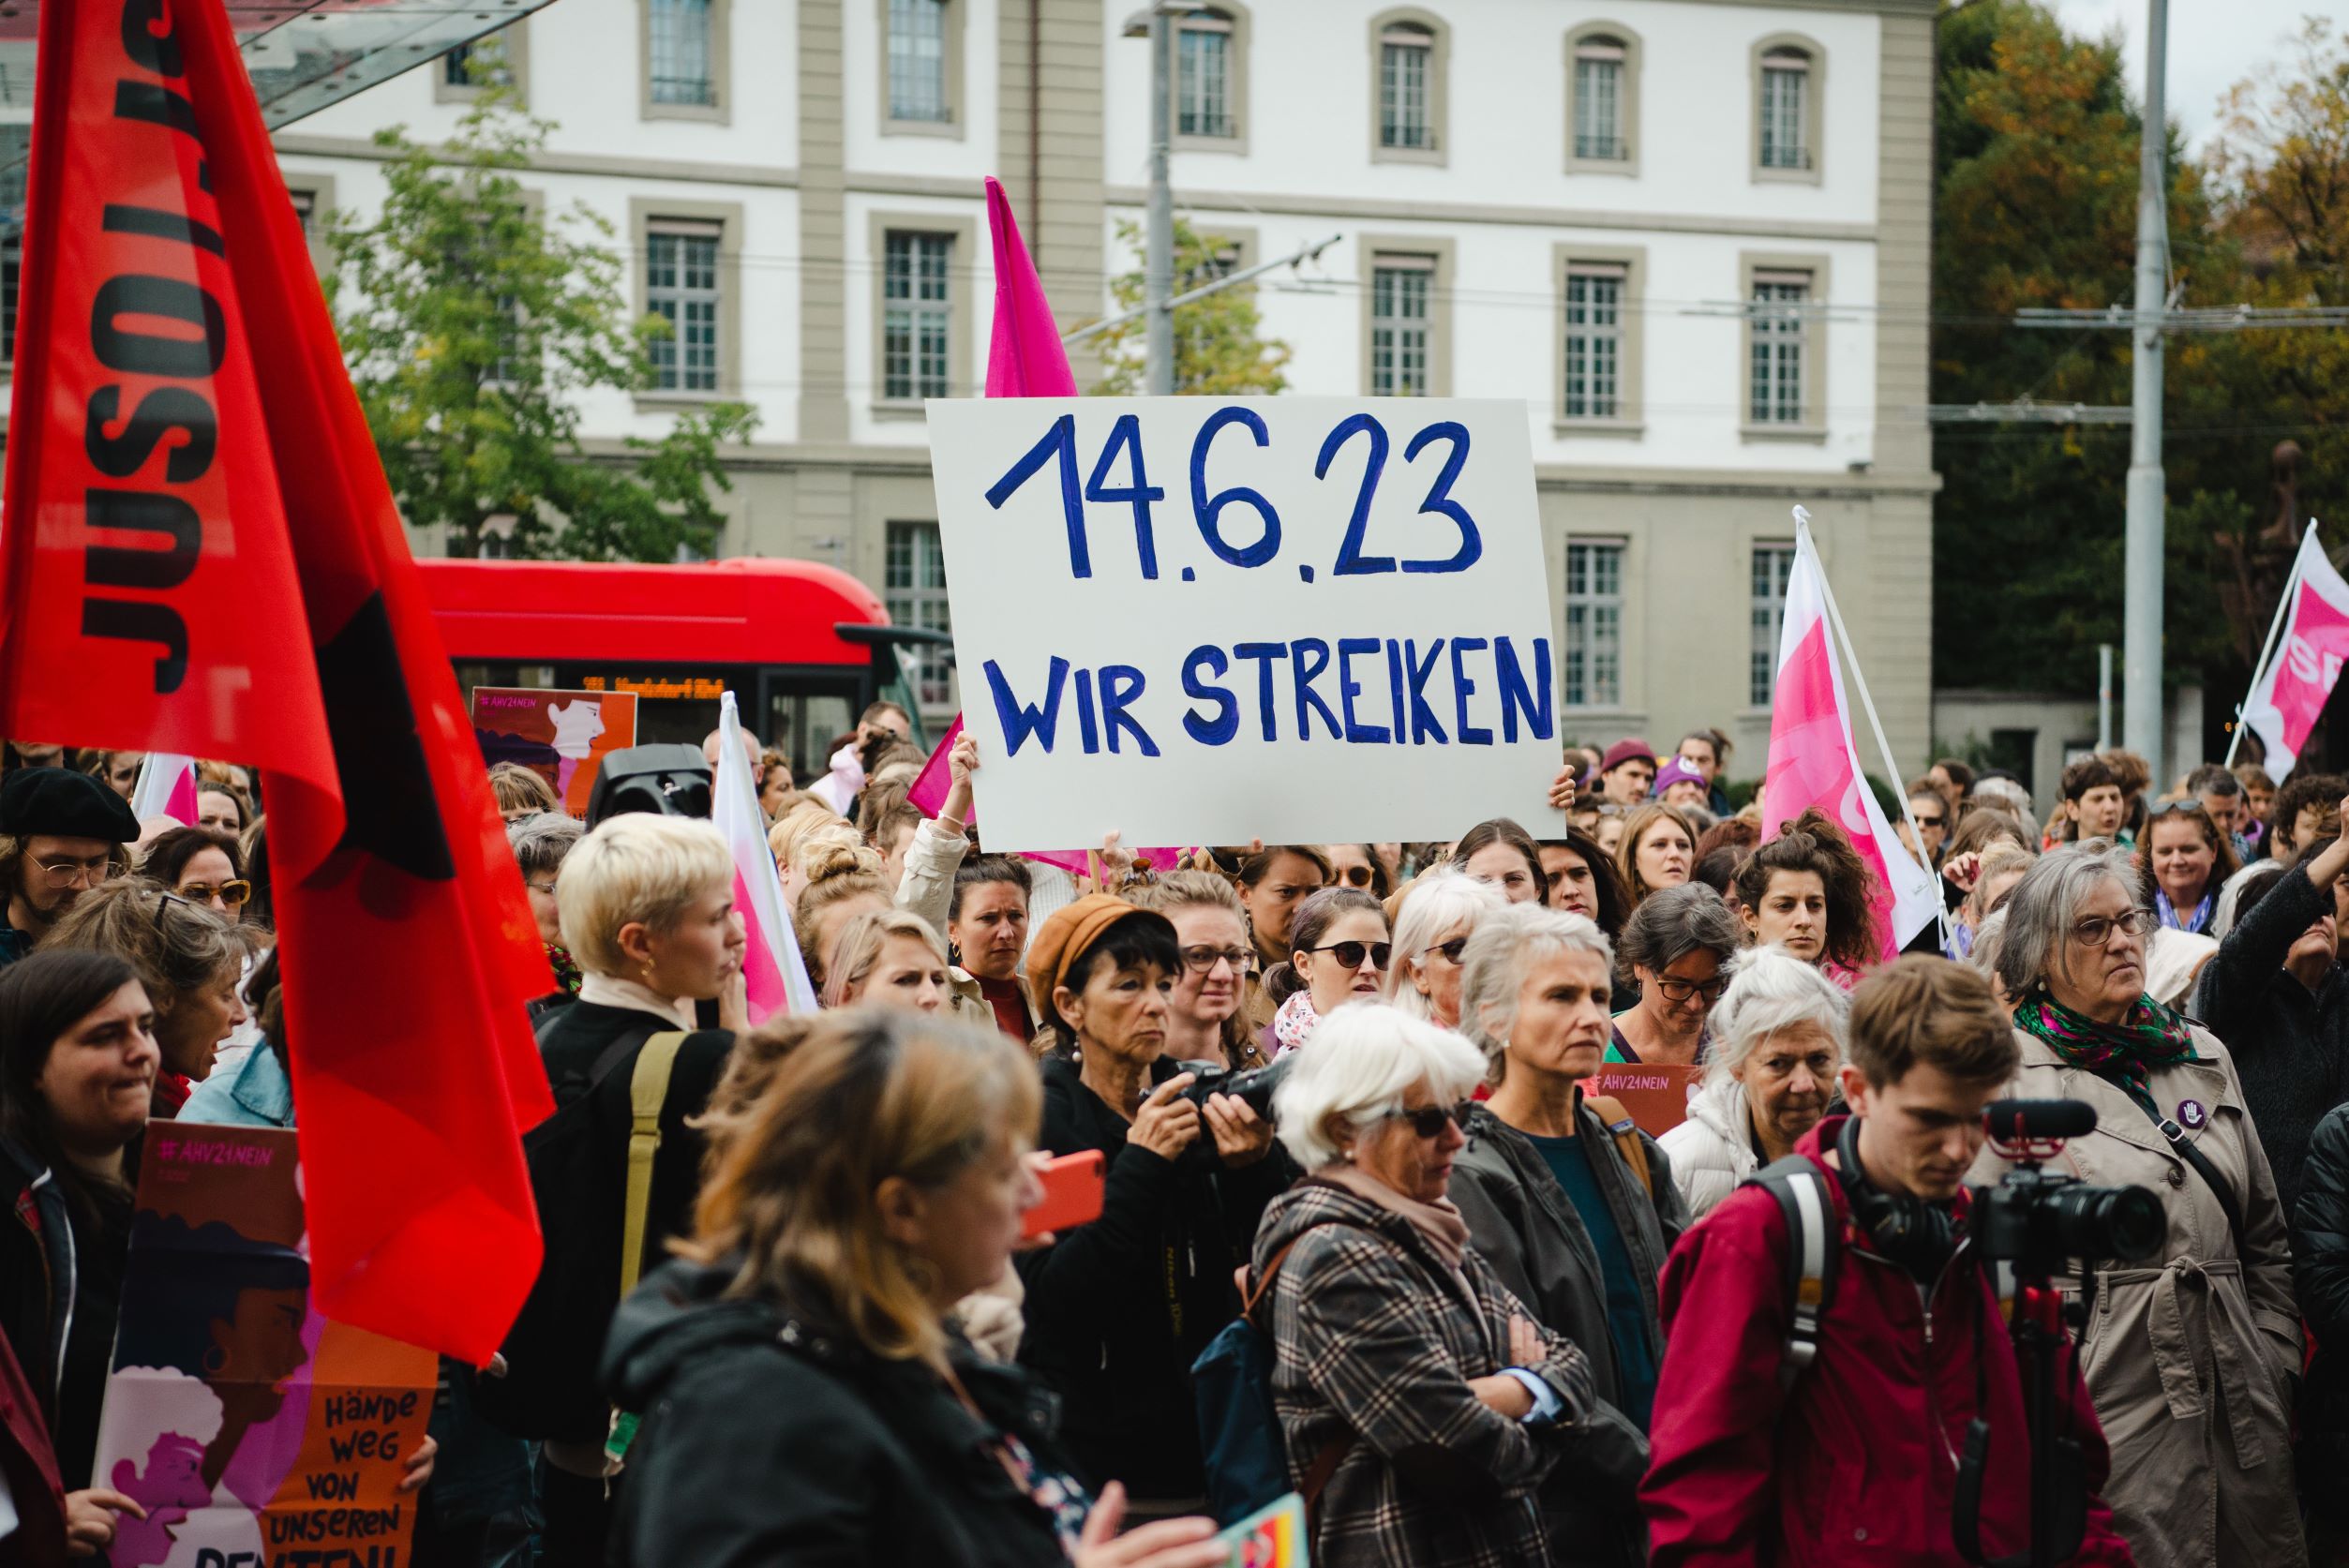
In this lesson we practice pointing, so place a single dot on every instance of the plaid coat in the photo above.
(1374, 1337)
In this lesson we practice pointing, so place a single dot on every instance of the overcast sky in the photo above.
(2213, 44)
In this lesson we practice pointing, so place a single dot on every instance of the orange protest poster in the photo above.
(1656, 1094)
(256, 1433)
(561, 736)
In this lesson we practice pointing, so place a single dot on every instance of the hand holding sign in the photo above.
(1299, 619)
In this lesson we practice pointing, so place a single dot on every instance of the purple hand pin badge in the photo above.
(2190, 1113)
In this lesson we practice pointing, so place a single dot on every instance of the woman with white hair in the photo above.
(1573, 1224)
(1439, 913)
(1777, 1038)
(1420, 1404)
(647, 908)
(2192, 1354)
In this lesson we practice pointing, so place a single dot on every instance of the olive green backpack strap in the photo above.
(648, 1089)
(1626, 1135)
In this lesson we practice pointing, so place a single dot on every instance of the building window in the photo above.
(1594, 341)
(914, 591)
(1401, 288)
(459, 68)
(918, 37)
(1406, 85)
(1777, 321)
(681, 286)
(305, 209)
(1598, 100)
(1203, 76)
(1772, 563)
(1790, 86)
(682, 57)
(1595, 626)
(917, 317)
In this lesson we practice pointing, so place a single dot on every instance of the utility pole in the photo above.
(2141, 645)
(1158, 263)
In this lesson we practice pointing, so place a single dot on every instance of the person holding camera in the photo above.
(1118, 1309)
(2193, 1353)
(1834, 1435)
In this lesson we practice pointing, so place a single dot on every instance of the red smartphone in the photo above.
(1072, 1193)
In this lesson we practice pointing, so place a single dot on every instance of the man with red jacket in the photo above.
(1854, 1458)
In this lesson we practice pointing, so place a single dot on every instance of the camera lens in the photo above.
(2120, 1223)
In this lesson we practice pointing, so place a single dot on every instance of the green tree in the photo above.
(472, 327)
(1218, 347)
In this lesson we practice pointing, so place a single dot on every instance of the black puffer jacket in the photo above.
(771, 1437)
(1117, 1310)
(2320, 1278)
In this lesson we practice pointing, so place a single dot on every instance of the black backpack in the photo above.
(592, 1250)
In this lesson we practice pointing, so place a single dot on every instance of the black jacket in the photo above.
(2320, 1276)
(770, 1438)
(1117, 1310)
(2291, 1045)
(61, 1281)
(570, 1040)
(1523, 1224)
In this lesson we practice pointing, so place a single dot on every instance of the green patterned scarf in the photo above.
(2125, 1052)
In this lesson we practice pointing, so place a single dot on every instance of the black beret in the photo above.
(64, 804)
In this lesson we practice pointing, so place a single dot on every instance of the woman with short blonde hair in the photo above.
(889, 958)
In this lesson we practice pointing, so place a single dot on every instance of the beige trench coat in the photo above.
(2190, 1355)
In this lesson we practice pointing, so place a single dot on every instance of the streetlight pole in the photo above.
(1158, 263)
(2141, 707)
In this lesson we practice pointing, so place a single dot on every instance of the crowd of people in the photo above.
(1339, 1096)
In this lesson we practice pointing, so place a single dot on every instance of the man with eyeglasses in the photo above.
(60, 832)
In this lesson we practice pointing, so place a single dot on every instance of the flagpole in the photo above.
(2267, 649)
(1868, 705)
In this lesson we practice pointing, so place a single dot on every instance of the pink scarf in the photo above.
(1294, 1023)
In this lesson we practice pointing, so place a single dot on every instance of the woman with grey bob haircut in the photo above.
(1778, 1038)
(1402, 1366)
(1552, 1200)
(2206, 1481)
(1674, 947)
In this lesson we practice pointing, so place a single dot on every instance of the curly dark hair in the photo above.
(1814, 843)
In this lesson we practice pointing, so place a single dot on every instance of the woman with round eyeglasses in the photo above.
(1340, 950)
(1439, 912)
(1677, 946)
(1203, 1024)
(201, 867)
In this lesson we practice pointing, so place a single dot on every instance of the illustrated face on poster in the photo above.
(1203, 620)
(250, 1427)
(561, 736)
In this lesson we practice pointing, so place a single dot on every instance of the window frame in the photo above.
(1629, 418)
(1568, 601)
(1238, 27)
(1626, 99)
(516, 36)
(1814, 110)
(1762, 668)
(951, 18)
(1438, 254)
(1437, 152)
(647, 216)
(913, 596)
(721, 69)
(1812, 427)
(963, 377)
(320, 188)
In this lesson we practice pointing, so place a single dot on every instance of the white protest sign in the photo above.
(1205, 620)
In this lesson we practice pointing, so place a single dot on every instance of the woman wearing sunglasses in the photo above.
(188, 958)
(1203, 1025)
(200, 866)
(1439, 912)
(1358, 865)
(1554, 1206)
(1421, 1402)
(1340, 950)
(1677, 946)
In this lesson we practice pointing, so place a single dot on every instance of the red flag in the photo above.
(159, 593)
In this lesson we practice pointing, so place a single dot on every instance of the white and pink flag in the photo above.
(2291, 691)
(774, 973)
(165, 787)
(1813, 761)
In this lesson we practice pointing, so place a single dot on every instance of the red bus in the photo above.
(804, 647)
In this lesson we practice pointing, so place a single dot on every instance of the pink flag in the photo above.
(1025, 358)
(165, 787)
(1814, 763)
(2292, 691)
(774, 973)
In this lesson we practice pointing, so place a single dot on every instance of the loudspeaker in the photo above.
(671, 779)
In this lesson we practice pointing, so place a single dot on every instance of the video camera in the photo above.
(665, 779)
(2037, 1224)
